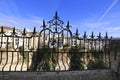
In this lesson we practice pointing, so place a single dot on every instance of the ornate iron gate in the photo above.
(54, 48)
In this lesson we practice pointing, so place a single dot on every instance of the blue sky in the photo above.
(86, 15)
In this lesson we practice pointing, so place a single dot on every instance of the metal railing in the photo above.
(54, 48)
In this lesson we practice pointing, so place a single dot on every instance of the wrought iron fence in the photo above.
(54, 48)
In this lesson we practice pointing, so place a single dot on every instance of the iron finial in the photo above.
(99, 36)
(44, 26)
(77, 32)
(56, 15)
(85, 36)
(111, 37)
(92, 36)
(106, 36)
(34, 30)
(24, 31)
(14, 30)
(68, 25)
(2, 31)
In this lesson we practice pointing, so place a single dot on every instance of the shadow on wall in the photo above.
(52, 59)
(43, 60)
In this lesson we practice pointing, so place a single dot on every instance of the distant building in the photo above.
(33, 41)
(8, 39)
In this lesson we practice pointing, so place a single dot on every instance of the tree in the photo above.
(44, 59)
(75, 63)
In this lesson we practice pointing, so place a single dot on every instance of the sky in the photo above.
(85, 15)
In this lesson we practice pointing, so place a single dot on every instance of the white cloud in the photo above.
(20, 22)
(113, 29)
(9, 7)
(94, 24)
(115, 35)
(106, 12)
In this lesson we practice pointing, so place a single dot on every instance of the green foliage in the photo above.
(76, 63)
(48, 57)
(96, 65)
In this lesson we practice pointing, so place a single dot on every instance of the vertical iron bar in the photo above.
(109, 53)
(27, 52)
(17, 56)
(6, 54)
(22, 53)
(11, 61)
(65, 52)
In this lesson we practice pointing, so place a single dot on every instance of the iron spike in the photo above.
(68, 25)
(44, 26)
(24, 31)
(2, 31)
(34, 31)
(85, 36)
(56, 15)
(14, 30)
(111, 37)
(62, 34)
(77, 31)
(106, 36)
(99, 35)
(92, 36)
